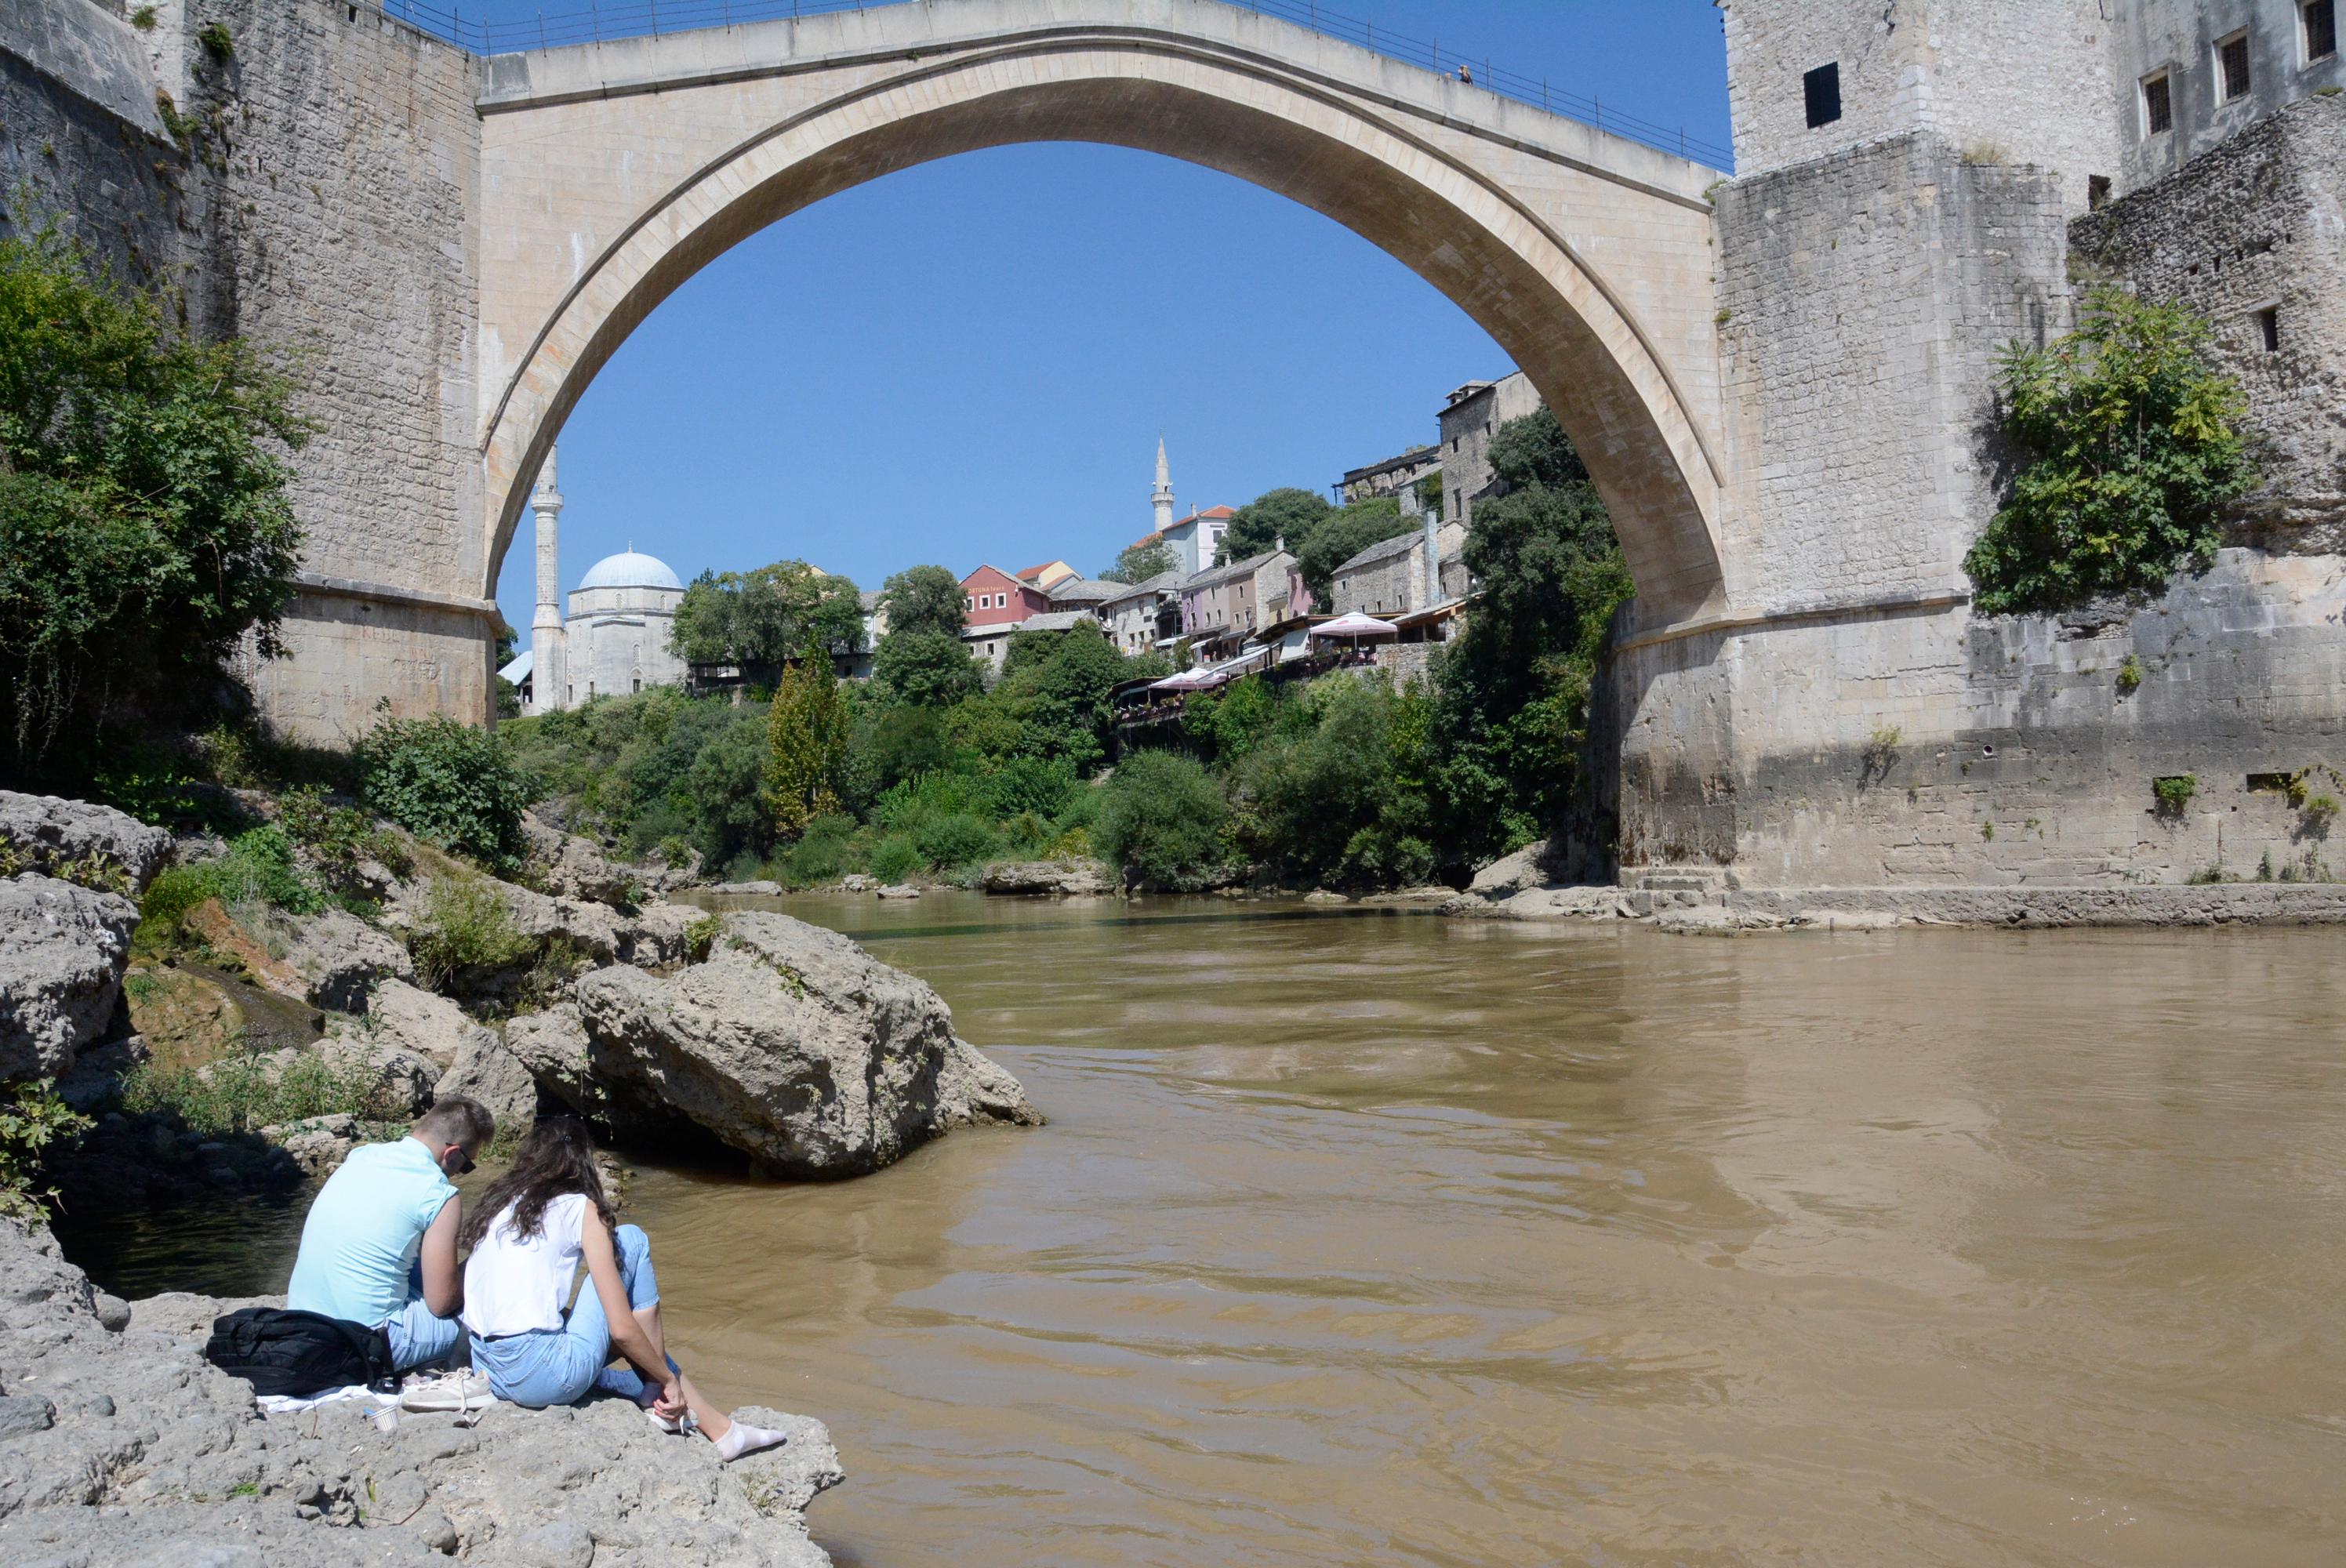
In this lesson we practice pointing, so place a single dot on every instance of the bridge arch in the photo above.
(606, 190)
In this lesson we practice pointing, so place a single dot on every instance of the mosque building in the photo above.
(615, 638)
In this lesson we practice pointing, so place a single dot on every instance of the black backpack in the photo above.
(299, 1354)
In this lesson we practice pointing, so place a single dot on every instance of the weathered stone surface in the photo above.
(62, 953)
(791, 1045)
(1515, 874)
(568, 866)
(318, 1144)
(899, 890)
(1428, 897)
(656, 935)
(553, 1047)
(340, 958)
(156, 1459)
(750, 890)
(1049, 878)
(47, 830)
(1325, 896)
(484, 1070)
(416, 1020)
(974, 1088)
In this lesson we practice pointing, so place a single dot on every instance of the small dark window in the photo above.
(2157, 104)
(1821, 88)
(2232, 67)
(2097, 191)
(2320, 18)
(2269, 328)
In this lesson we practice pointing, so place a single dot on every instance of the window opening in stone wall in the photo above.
(2097, 191)
(1821, 89)
(2232, 67)
(2320, 20)
(2157, 104)
(2269, 328)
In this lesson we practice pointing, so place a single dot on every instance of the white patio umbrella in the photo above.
(1354, 626)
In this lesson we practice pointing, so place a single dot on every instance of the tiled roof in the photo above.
(1384, 549)
(1163, 582)
(1054, 621)
(1082, 591)
(1230, 573)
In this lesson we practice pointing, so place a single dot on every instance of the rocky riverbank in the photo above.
(120, 1445)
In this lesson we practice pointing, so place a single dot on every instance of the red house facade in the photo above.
(991, 596)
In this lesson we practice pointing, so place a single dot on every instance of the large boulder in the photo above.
(553, 1048)
(484, 1070)
(62, 952)
(48, 833)
(131, 1448)
(792, 1045)
(1528, 868)
(568, 866)
(413, 1019)
(659, 936)
(1049, 879)
(338, 958)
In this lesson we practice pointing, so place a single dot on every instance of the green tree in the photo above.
(1138, 563)
(144, 525)
(1345, 534)
(455, 785)
(1510, 719)
(1055, 687)
(761, 619)
(1163, 822)
(925, 599)
(806, 745)
(1256, 527)
(2133, 450)
(925, 668)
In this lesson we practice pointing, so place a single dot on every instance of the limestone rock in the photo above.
(46, 831)
(791, 1043)
(153, 1457)
(62, 953)
(750, 889)
(340, 958)
(1049, 878)
(318, 1144)
(414, 1019)
(973, 1087)
(484, 1070)
(658, 935)
(1429, 897)
(553, 1047)
(899, 890)
(568, 866)
(1515, 873)
(1325, 896)
(857, 882)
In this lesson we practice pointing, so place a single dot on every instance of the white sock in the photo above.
(741, 1438)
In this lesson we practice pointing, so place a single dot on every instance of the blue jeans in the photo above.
(560, 1366)
(417, 1338)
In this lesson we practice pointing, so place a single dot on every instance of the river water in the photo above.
(1384, 1238)
(1396, 1239)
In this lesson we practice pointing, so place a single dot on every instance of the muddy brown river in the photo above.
(1371, 1239)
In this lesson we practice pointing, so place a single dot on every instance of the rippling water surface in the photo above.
(1393, 1240)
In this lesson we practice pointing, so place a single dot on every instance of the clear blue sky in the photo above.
(971, 361)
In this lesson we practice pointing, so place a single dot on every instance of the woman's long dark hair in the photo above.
(555, 1159)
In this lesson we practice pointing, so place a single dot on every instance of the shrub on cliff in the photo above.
(2133, 450)
(451, 784)
(1163, 822)
(144, 525)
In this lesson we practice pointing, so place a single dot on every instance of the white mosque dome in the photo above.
(630, 569)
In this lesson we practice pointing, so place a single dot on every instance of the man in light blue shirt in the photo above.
(379, 1248)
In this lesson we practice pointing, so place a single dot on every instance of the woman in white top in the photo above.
(534, 1226)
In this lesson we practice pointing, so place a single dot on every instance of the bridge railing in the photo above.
(601, 20)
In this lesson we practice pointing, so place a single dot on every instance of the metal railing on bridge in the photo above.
(604, 20)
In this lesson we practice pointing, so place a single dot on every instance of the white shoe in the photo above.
(665, 1423)
(463, 1392)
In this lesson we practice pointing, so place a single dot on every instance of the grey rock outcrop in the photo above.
(318, 1144)
(553, 1047)
(658, 935)
(151, 1457)
(413, 1019)
(792, 1045)
(1049, 879)
(1509, 874)
(568, 866)
(47, 830)
(62, 952)
(484, 1070)
(750, 890)
(340, 958)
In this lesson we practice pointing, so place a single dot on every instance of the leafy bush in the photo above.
(144, 530)
(258, 871)
(826, 851)
(1163, 822)
(2175, 792)
(29, 1122)
(954, 838)
(464, 928)
(701, 935)
(338, 839)
(894, 859)
(2133, 451)
(452, 784)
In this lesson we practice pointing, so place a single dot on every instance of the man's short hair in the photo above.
(456, 1119)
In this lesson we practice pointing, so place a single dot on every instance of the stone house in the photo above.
(1226, 603)
(1144, 613)
(1470, 418)
(1388, 578)
(1393, 477)
(992, 598)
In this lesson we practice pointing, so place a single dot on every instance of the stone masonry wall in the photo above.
(2259, 224)
(1865, 297)
(2179, 36)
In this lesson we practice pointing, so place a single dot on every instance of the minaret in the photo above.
(1162, 496)
(549, 668)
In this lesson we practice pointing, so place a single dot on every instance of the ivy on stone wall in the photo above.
(2132, 448)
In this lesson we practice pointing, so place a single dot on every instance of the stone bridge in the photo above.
(610, 173)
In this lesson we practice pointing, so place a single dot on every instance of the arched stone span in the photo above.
(610, 174)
